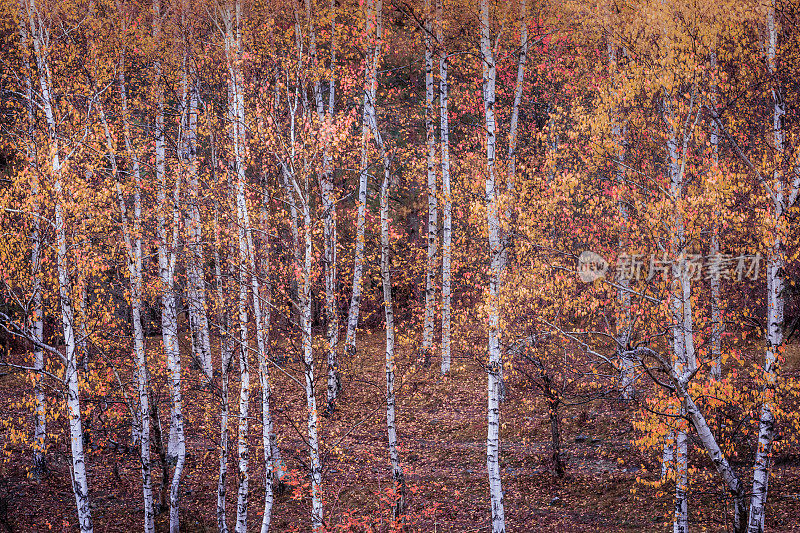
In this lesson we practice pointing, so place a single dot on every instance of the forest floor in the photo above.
(442, 432)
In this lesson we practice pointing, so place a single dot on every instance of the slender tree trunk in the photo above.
(37, 309)
(495, 266)
(623, 325)
(226, 349)
(681, 522)
(243, 474)
(248, 261)
(715, 454)
(330, 238)
(79, 476)
(167, 245)
(555, 432)
(328, 206)
(133, 244)
(682, 321)
(783, 198)
(195, 271)
(80, 483)
(716, 313)
(374, 30)
(308, 360)
(232, 21)
(447, 200)
(262, 320)
(433, 225)
(391, 426)
(303, 260)
(508, 213)
(176, 449)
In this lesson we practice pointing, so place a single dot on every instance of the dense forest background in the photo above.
(401, 265)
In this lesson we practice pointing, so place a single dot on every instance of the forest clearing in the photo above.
(442, 423)
(399, 265)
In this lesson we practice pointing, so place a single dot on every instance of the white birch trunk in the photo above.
(374, 30)
(226, 344)
(308, 359)
(716, 312)
(133, 244)
(80, 483)
(447, 200)
(495, 265)
(391, 426)
(176, 449)
(505, 236)
(328, 207)
(681, 520)
(233, 52)
(195, 271)
(243, 473)
(37, 310)
(682, 321)
(433, 226)
(627, 375)
(775, 292)
(330, 238)
(715, 454)
(303, 260)
(226, 349)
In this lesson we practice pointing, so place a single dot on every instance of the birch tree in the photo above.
(783, 190)
(231, 18)
(326, 117)
(168, 242)
(37, 309)
(373, 17)
(506, 243)
(132, 237)
(299, 200)
(716, 313)
(447, 200)
(195, 271)
(495, 266)
(226, 351)
(433, 226)
(398, 477)
(623, 325)
(40, 35)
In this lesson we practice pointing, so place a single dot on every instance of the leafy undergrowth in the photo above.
(610, 485)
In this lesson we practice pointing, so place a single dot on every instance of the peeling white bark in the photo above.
(495, 266)
(447, 200)
(40, 37)
(682, 325)
(374, 30)
(716, 312)
(195, 271)
(226, 349)
(623, 325)
(37, 309)
(133, 244)
(328, 207)
(784, 195)
(386, 276)
(167, 246)
(433, 204)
